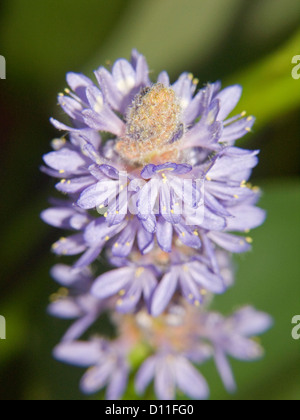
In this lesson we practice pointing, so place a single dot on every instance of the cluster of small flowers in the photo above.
(156, 186)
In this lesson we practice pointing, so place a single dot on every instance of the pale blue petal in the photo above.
(164, 293)
(190, 381)
(78, 353)
(112, 282)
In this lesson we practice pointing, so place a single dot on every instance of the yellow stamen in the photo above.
(139, 272)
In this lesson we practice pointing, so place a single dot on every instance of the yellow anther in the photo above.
(63, 292)
(67, 91)
(243, 184)
(197, 303)
(107, 238)
(116, 245)
(243, 114)
(54, 297)
(249, 240)
(62, 171)
(191, 296)
(58, 143)
(208, 178)
(195, 81)
(236, 196)
(122, 292)
(139, 272)
(63, 181)
(183, 234)
(250, 118)
(105, 215)
(165, 179)
(203, 292)
(248, 129)
(165, 169)
(119, 302)
(196, 233)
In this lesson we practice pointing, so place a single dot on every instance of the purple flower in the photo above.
(156, 185)
(70, 162)
(89, 111)
(231, 337)
(76, 302)
(158, 198)
(166, 187)
(214, 129)
(124, 82)
(193, 278)
(92, 108)
(66, 216)
(131, 283)
(109, 192)
(170, 372)
(120, 238)
(106, 361)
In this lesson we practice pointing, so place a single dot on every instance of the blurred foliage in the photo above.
(269, 87)
(237, 41)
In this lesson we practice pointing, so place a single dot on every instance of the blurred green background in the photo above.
(236, 41)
